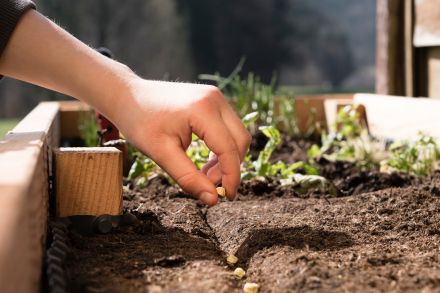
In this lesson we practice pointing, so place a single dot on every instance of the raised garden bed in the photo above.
(380, 233)
(383, 240)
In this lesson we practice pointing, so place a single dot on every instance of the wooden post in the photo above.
(88, 181)
(390, 56)
(24, 169)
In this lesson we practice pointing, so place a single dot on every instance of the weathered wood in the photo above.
(433, 79)
(24, 156)
(400, 117)
(427, 23)
(310, 110)
(408, 47)
(88, 181)
(390, 68)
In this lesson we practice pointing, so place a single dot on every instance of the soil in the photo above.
(381, 235)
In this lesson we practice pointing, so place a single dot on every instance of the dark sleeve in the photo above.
(10, 13)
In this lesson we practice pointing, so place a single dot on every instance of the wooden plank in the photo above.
(427, 23)
(408, 47)
(313, 105)
(24, 156)
(332, 107)
(88, 181)
(433, 78)
(71, 113)
(400, 117)
(390, 68)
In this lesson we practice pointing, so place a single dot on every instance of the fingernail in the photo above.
(206, 197)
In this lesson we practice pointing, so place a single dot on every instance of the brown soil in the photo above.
(381, 235)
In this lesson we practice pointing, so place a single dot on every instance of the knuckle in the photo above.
(247, 138)
(214, 93)
(186, 181)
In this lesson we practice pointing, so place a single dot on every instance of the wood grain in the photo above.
(88, 181)
(390, 47)
(24, 168)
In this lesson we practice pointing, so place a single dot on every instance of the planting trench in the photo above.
(381, 235)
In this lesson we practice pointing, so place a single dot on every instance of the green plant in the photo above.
(143, 168)
(198, 152)
(417, 158)
(263, 167)
(88, 129)
(251, 95)
(351, 142)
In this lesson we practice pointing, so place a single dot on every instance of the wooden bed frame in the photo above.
(27, 160)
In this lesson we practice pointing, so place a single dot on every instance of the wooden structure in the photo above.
(408, 48)
(26, 164)
(88, 181)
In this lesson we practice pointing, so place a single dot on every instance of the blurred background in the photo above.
(310, 46)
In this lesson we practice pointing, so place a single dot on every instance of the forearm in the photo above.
(42, 53)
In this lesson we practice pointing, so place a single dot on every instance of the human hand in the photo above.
(159, 119)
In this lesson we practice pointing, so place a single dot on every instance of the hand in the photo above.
(159, 119)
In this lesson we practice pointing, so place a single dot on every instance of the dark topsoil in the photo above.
(381, 235)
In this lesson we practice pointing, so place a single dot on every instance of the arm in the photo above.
(157, 117)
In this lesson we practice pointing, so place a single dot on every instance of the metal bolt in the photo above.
(103, 224)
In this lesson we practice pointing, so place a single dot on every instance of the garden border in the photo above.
(26, 165)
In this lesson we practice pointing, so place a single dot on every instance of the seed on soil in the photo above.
(231, 259)
(239, 273)
(251, 288)
(221, 191)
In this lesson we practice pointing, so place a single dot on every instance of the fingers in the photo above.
(173, 160)
(238, 131)
(240, 135)
(213, 160)
(219, 140)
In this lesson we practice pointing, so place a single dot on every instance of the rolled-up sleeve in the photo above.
(10, 13)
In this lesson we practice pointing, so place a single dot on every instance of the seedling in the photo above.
(251, 288)
(221, 191)
(263, 167)
(239, 273)
(88, 129)
(251, 95)
(303, 183)
(231, 260)
(416, 158)
(351, 142)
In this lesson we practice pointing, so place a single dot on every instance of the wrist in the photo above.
(111, 91)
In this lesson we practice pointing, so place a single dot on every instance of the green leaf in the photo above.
(250, 119)
(313, 152)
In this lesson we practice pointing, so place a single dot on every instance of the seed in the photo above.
(221, 191)
(239, 273)
(232, 259)
(251, 287)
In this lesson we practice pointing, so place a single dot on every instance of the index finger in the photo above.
(219, 140)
